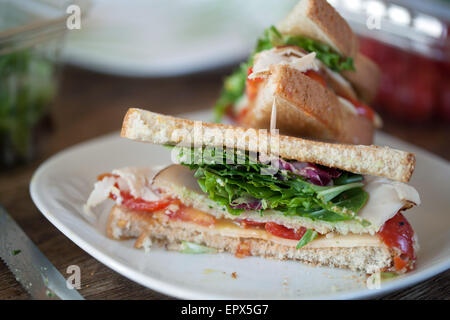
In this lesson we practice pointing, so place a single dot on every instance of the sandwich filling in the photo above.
(247, 197)
(315, 59)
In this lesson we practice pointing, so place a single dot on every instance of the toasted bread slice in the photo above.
(305, 108)
(158, 228)
(318, 20)
(365, 79)
(146, 126)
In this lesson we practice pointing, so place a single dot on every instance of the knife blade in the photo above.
(29, 265)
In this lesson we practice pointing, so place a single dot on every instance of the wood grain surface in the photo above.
(90, 104)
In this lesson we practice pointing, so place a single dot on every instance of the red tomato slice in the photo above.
(362, 109)
(400, 263)
(104, 175)
(248, 223)
(131, 202)
(398, 233)
(316, 76)
(193, 215)
(283, 232)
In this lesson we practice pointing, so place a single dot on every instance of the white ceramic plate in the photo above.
(150, 38)
(62, 184)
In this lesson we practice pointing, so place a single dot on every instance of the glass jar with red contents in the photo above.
(413, 87)
(409, 40)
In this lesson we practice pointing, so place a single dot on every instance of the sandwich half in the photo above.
(315, 202)
(309, 70)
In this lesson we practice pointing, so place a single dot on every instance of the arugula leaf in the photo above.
(271, 38)
(388, 275)
(232, 91)
(233, 185)
(309, 236)
(332, 59)
(347, 177)
(324, 53)
(194, 248)
(332, 192)
(353, 199)
(234, 85)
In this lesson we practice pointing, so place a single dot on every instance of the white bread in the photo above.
(148, 229)
(318, 20)
(146, 126)
(305, 108)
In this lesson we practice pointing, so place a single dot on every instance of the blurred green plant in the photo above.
(26, 90)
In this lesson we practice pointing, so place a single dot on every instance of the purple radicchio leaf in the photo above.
(246, 203)
(316, 174)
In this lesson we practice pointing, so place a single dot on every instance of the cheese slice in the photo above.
(285, 56)
(101, 191)
(135, 180)
(386, 198)
(348, 105)
(229, 228)
(336, 77)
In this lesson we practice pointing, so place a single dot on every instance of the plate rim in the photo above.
(174, 290)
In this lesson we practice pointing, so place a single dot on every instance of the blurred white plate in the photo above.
(167, 38)
(61, 185)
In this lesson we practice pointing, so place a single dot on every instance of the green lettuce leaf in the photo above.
(293, 195)
(194, 248)
(309, 236)
(232, 91)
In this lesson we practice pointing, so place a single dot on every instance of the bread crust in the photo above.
(146, 126)
(365, 79)
(126, 224)
(305, 108)
(318, 20)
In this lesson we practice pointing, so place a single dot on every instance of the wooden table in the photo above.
(89, 105)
